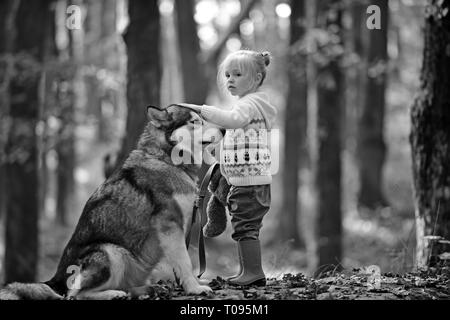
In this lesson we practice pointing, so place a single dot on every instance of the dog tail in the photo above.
(28, 291)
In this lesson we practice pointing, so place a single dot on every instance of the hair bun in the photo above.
(267, 57)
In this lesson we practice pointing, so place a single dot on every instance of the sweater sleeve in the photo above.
(238, 117)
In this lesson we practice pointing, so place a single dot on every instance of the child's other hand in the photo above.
(193, 107)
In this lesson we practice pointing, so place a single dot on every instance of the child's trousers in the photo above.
(247, 206)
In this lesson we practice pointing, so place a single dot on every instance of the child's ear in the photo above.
(258, 78)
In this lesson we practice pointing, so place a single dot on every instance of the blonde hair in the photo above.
(247, 62)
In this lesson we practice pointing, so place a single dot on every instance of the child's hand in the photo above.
(193, 107)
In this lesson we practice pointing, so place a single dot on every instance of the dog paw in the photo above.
(101, 295)
(199, 290)
(119, 295)
(113, 295)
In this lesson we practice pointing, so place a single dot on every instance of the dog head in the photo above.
(182, 130)
(170, 118)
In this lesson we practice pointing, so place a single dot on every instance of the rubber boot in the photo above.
(240, 266)
(252, 272)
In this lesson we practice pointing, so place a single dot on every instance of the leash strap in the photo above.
(200, 209)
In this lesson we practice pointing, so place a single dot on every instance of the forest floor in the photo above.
(357, 284)
(287, 272)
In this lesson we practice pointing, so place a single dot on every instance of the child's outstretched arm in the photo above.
(237, 117)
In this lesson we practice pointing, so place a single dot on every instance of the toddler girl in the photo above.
(244, 155)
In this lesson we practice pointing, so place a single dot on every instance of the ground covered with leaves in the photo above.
(357, 284)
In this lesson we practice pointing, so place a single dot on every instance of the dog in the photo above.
(132, 230)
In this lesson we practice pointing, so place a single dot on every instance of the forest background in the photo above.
(77, 75)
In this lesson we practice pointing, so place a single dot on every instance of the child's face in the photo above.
(238, 82)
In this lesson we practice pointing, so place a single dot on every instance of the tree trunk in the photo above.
(191, 67)
(371, 148)
(65, 147)
(295, 119)
(8, 11)
(108, 33)
(356, 79)
(358, 12)
(65, 150)
(430, 138)
(327, 173)
(70, 56)
(144, 69)
(171, 60)
(108, 61)
(46, 105)
(21, 245)
(96, 55)
(92, 28)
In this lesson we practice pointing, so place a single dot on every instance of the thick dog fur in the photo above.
(132, 229)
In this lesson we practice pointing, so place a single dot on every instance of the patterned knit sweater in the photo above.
(245, 157)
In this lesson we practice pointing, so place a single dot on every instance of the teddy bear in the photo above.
(216, 208)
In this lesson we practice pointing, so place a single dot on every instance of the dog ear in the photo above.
(156, 115)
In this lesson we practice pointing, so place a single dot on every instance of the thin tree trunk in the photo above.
(358, 23)
(142, 39)
(109, 52)
(430, 138)
(70, 56)
(46, 104)
(65, 149)
(21, 245)
(95, 56)
(8, 11)
(194, 91)
(356, 74)
(295, 149)
(66, 160)
(43, 141)
(371, 148)
(327, 173)
(171, 60)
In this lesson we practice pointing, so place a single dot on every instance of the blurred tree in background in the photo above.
(30, 46)
(193, 70)
(102, 55)
(295, 126)
(371, 148)
(327, 157)
(142, 39)
(68, 83)
(8, 12)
